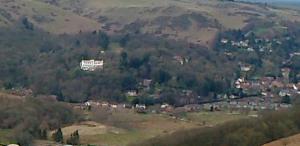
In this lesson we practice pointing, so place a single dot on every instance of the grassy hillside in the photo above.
(152, 16)
(249, 132)
(47, 17)
(287, 141)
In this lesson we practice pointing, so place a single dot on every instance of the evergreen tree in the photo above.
(58, 136)
(286, 99)
(124, 40)
(27, 24)
(124, 60)
(104, 40)
(74, 138)
(44, 134)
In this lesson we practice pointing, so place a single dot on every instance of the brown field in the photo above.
(289, 141)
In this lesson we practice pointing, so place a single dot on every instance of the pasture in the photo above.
(123, 127)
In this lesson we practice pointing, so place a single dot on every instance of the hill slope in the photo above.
(197, 21)
(288, 141)
(47, 17)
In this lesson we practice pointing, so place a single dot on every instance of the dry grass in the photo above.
(123, 126)
(289, 141)
(89, 128)
(55, 20)
(122, 12)
(4, 95)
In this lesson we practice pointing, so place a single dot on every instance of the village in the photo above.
(266, 93)
(258, 94)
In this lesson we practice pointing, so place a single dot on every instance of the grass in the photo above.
(124, 127)
(214, 118)
(63, 22)
(261, 31)
(288, 141)
(4, 136)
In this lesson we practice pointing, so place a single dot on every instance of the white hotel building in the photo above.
(91, 65)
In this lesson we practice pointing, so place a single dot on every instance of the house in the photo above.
(238, 83)
(91, 65)
(283, 93)
(187, 92)
(147, 82)
(129, 106)
(250, 49)
(224, 41)
(292, 86)
(243, 43)
(163, 106)
(179, 59)
(277, 83)
(132, 93)
(298, 86)
(245, 68)
(285, 73)
(266, 81)
(193, 107)
(140, 106)
(104, 104)
(166, 108)
(114, 106)
(87, 104)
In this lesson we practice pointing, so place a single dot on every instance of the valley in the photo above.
(140, 72)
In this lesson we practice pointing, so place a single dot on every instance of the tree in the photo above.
(44, 134)
(124, 40)
(104, 40)
(24, 138)
(74, 139)
(135, 63)
(286, 99)
(58, 136)
(124, 60)
(8, 85)
(129, 82)
(27, 24)
(162, 76)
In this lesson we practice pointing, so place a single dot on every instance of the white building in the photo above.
(245, 68)
(224, 41)
(91, 65)
(140, 106)
(132, 93)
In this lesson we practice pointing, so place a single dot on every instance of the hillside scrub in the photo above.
(50, 65)
(31, 118)
(247, 132)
